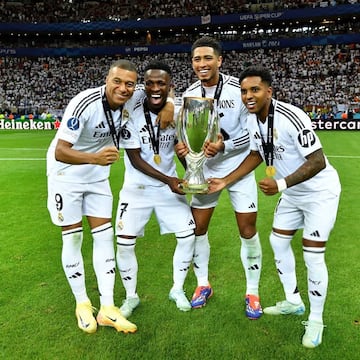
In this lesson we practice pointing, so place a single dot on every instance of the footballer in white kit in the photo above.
(310, 205)
(232, 120)
(78, 165)
(151, 185)
(223, 156)
(282, 136)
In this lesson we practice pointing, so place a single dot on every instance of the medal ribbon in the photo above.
(218, 89)
(269, 145)
(153, 138)
(115, 135)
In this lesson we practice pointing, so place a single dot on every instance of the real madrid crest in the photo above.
(125, 115)
(120, 225)
(276, 135)
(60, 217)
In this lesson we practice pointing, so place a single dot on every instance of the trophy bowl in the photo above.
(197, 122)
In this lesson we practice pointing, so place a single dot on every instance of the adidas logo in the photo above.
(257, 136)
(315, 293)
(100, 126)
(191, 222)
(76, 275)
(252, 206)
(315, 234)
(112, 271)
(144, 129)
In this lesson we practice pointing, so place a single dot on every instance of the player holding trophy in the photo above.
(222, 156)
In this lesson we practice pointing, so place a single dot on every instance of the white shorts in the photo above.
(316, 214)
(243, 196)
(136, 206)
(69, 202)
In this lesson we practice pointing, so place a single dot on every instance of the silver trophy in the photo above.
(197, 122)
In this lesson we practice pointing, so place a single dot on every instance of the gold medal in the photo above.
(157, 159)
(270, 171)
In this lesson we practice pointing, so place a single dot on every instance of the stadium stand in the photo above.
(316, 75)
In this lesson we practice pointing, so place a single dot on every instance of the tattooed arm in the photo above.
(314, 164)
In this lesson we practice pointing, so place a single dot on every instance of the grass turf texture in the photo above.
(37, 318)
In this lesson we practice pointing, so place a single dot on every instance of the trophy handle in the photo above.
(179, 125)
(214, 128)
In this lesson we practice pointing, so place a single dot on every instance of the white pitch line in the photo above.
(344, 156)
(22, 159)
(23, 149)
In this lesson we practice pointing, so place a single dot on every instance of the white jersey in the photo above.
(135, 135)
(84, 125)
(293, 139)
(232, 116)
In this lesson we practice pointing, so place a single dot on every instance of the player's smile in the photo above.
(256, 95)
(157, 85)
(206, 65)
(122, 96)
(251, 105)
(156, 99)
(120, 86)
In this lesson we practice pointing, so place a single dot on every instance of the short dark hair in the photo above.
(124, 64)
(157, 65)
(207, 41)
(260, 71)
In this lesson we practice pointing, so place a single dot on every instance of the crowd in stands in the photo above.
(238, 33)
(35, 11)
(314, 76)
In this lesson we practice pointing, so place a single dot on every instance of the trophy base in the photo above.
(194, 188)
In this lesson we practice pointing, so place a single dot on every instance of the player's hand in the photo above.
(268, 186)
(212, 148)
(215, 185)
(107, 156)
(181, 150)
(174, 184)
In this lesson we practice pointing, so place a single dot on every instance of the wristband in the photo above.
(170, 100)
(281, 184)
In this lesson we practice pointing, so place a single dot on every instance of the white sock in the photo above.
(251, 258)
(317, 280)
(201, 259)
(127, 264)
(182, 258)
(73, 264)
(285, 264)
(104, 262)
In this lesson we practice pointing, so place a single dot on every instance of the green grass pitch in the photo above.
(37, 318)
